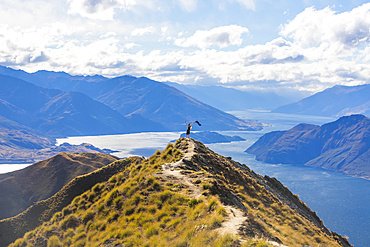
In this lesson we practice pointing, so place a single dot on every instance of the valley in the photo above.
(142, 123)
(152, 115)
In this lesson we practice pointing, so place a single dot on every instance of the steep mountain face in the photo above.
(21, 144)
(169, 106)
(20, 189)
(10, 112)
(335, 102)
(16, 141)
(18, 137)
(186, 195)
(56, 113)
(342, 145)
(140, 97)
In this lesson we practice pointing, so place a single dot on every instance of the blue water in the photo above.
(5, 168)
(341, 201)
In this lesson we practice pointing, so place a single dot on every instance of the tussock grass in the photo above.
(133, 208)
(136, 207)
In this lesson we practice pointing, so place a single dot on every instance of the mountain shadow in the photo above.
(20, 189)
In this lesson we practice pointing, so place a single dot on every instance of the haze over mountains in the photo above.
(229, 99)
(343, 145)
(334, 102)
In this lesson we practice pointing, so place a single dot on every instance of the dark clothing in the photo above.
(188, 130)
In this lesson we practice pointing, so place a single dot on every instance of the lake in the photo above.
(341, 201)
(5, 168)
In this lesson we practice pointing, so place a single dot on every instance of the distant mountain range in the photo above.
(229, 99)
(333, 102)
(342, 145)
(169, 106)
(19, 189)
(20, 144)
(56, 113)
(142, 104)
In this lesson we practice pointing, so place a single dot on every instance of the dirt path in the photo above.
(174, 175)
(235, 220)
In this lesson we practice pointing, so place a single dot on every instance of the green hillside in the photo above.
(185, 195)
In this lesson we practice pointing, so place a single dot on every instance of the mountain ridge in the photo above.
(186, 194)
(15, 227)
(19, 189)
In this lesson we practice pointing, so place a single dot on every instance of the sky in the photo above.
(271, 45)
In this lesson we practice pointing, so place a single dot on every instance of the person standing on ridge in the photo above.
(189, 127)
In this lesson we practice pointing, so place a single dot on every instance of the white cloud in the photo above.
(98, 9)
(30, 13)
(23, 46)
(318, 48)
(188, 5)
(131, 46)
(164, 29)
(325, 28)
(143, 31)
(248, 4)
(222, 37)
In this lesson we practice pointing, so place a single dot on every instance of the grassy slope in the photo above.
(139, 207)
(15, 227)
(19, 189)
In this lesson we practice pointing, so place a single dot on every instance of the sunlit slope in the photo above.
(185, 195)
